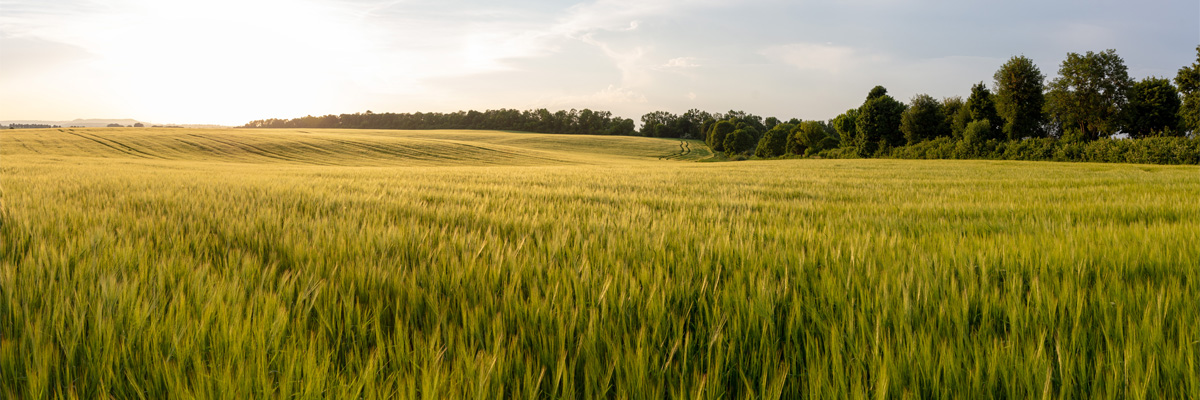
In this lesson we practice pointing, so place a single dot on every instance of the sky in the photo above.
(232, 61)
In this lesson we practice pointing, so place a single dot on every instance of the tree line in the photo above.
(540, 120)
(1093, 111)
(32, 126)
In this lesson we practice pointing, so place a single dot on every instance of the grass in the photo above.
(459, 264)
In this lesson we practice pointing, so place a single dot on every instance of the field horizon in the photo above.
(142, 262)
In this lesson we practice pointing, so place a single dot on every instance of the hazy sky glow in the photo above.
(232, 61)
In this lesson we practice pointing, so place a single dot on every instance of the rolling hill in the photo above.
(342, 147)
(225, 263)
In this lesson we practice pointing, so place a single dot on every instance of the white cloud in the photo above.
(628, 61)
(681, 63)
(610, 26)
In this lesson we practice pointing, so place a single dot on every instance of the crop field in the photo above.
(189, 263)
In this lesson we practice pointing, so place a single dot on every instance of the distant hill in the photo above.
(88, 123)
(99, 123)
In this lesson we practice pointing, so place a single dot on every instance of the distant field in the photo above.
(340, 147)
(179, 263)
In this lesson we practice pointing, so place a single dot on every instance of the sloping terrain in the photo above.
(340, 147)
(189, 263)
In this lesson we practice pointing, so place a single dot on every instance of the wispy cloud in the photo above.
(614, 95)
(621, 15)
(609, 98)
(681, 63)
(184, 60)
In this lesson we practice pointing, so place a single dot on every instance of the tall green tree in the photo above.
(1020, 98)
(982, 107)
(706, 127)
(957, 115)
(774, 141)
(742, 117)
(1089, 93)
(771, 122)
(923, 120)
(810, 137)
(878, 123)
(1188, 80)
(1153, 109)
(877, 92)
(846, 127)
(741, 141)
(621, 126)
(716, 137)
(974, 136)
(664, 124)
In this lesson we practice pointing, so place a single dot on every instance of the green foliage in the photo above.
(706, 128)
(877, 92)
(655, 124)
(1089, 93)
(584, 121)
(1033, 149)
(1153, 109)
(742, 117)
(923, 120)
(716, 137)
(935, 149)
(840, 152)
(811, 137)
(1151, 150)
(878, 123)
(1020, 100)
(770, 123)
(981, 107)
(976, 135)
(957, 115)
(667, 125)
(774, 142)
(846, 126)
(1188, 80)
(741, 141)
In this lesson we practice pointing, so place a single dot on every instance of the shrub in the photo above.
(840, 152)
(740, 141)
(716, 137)
(1030, 149)
(774, 142)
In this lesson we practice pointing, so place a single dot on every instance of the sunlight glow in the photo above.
(225, 56)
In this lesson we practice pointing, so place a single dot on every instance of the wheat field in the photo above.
(190, 263)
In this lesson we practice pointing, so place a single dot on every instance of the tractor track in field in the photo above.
(497, 151)
(252, 149)
(204, 148)
(320, 148)
(128, 150)
(684, 149)
(26, 146)
(415, 152)
(399, 153)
